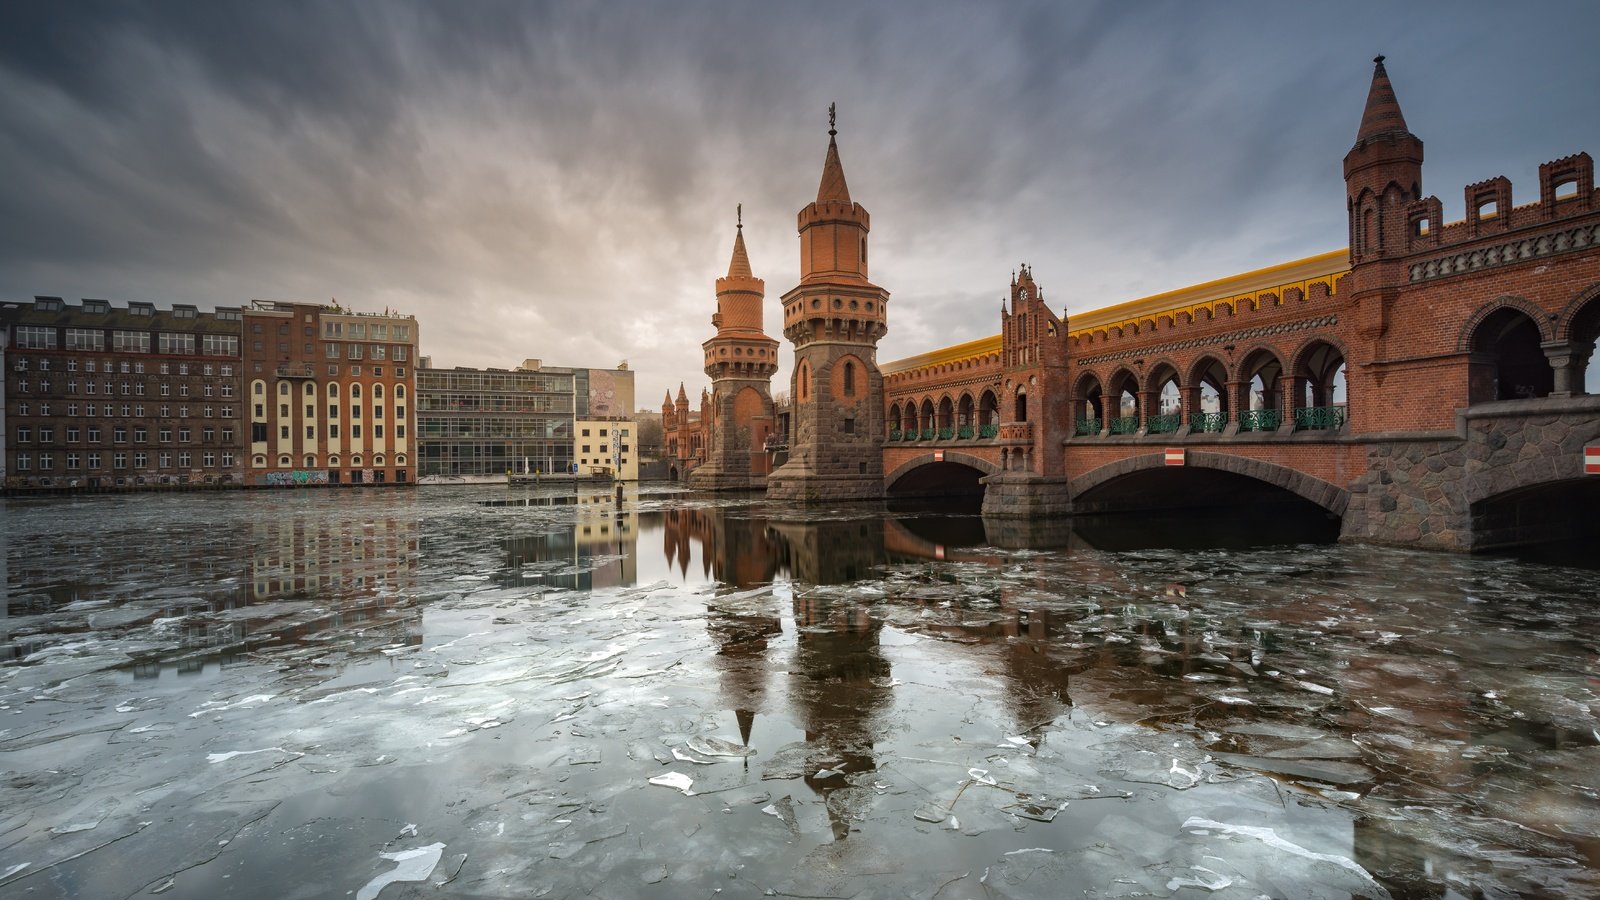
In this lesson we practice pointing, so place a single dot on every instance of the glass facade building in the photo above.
(491, 421)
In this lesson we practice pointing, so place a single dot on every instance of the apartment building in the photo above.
(329, 394)
(100, 395)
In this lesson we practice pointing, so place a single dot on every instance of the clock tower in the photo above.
(834, 317)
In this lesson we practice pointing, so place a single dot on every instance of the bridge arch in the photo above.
(1506, 360)
(1580, 327)
(1088, 402)
(1320, 372)
(1329, 496)
(1467, 338)
(1122, 394)
(926, 474)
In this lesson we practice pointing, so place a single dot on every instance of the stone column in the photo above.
(1567, 365)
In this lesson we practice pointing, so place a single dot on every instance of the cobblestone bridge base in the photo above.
(1448, 493)
(1025, 495)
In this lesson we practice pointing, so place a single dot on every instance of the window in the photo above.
(47, 435)
(283, 410)
(94, 460)
(166, 412)
(355, 412)
(353, 351)
(35, 337)
(400, 431)
(94, 434)
(355, 431)
(86, 339)
(24, 462)
(283, 389)
(227, 435)
(164, 460)
(227, 459)
(183, 390)
(330, 350)
(208, 459)
(164, 434)
(355, 370)
(119, 460)
(333, 431)
(141, 435)
(220, 345)
(24, 434)
(399, 412)
(73, 434)
(260, 388)
(141, 460)
(311, 432)
(261, 411)
(603, 432)
(227, 390)
(184, 434)
(130, 341)
(205, 390)
(119, 435)
(22, 409)
(74, 462)
(166, 389)
(311, 411)
(377, 431)
(399, 353)
(377, 412)
(377, 371)
(283, 432)
(227, 371)
(207, 411)
(258, 433)
(167, 342)
(379, 351)
(207, 435)
(138, 389)
(185, 459)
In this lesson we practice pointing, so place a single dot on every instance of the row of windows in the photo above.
(136, 389)
(137, 411)
(399, 353)
(119, 434)
(362, 331)
(135, 367)
(309, 461)
(258, 432)
(543, 403)
(603, 432)
(477, 383)
(333, 411)
(260, 389)
(24, 462)
(494, 427)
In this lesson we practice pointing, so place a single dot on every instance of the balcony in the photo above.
(1319, 418)
(1087, 427)
(296, 370)
(1163, 424)
(1260, 420)
(1125, 425)
(1207, 422)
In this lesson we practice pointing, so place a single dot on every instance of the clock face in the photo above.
(1022, 294)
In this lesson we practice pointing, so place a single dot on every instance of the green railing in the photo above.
(964, 432)
(1089, 426)
(988, 431)
(1260, 420)
(946, 434)
(927, 434)
(1207, 422)
(1163, 424)
(1319, 418)
(1125, 425)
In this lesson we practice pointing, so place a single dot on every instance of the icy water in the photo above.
(509, 693)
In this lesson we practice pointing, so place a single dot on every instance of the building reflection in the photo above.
(598, 550)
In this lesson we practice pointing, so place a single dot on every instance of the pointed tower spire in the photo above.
(1382, 115)
(739, 265)
(683, 396)
(832, 186)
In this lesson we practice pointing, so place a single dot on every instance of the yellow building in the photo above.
(606, 447)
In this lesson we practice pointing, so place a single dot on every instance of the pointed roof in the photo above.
(832, 186)
(1382, 115)
(739, 265)
(668, 401)
(682, 396)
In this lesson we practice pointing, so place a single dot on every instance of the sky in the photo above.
(558, 181)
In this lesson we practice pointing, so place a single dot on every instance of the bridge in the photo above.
(1428, 386)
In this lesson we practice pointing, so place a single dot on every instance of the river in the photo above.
(531, 692)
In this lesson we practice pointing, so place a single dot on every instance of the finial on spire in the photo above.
(832, 119)
(739, 211)
(1378, 59)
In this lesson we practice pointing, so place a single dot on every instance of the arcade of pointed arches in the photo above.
(946, 415)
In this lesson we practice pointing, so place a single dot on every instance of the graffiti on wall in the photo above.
(296, 479)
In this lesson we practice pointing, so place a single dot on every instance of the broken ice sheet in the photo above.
(410, 865)
(675, 780)
(1039, 809)
(712, 746)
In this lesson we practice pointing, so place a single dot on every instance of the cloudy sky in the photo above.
(559, 180)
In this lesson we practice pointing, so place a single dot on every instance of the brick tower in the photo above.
(1382, 176)
(835, 318)
(740, 359)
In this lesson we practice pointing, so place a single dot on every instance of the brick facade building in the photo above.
(98, 395)
(330, 395)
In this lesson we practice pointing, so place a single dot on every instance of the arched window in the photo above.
(805, 381)
(333, 461)
(261, 388)
(1022, 405)
(400, 459)
(284, 461)
(377, 459)
(355, 392)
(1507, 362)
(283, 388)
(377, 392)
(849, 379)
(333, 389)
(399, 392)
(311, 389)
(311, 461)
(260, 461)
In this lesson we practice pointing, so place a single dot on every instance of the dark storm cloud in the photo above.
(557, 180)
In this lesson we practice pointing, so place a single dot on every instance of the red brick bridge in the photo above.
(1430, 386)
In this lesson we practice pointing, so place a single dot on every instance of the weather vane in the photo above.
(831, 119)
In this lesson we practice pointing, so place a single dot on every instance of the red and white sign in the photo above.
(938, 456)
(1174, 456)
(1591, 460)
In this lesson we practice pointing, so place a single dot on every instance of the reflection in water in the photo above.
(507, 670)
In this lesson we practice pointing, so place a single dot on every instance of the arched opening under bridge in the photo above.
(1557, 521)
(944, 474)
